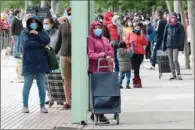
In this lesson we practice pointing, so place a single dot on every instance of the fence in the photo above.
(5, 38)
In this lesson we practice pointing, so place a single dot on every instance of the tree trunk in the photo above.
(186, 48)
(57, 6)
(169, 6)
(53, 5)
(43, 2)
(191, 12)
(26, 4)
(176, 6)
(30, 3)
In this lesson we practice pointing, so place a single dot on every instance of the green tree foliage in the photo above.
(10, 4)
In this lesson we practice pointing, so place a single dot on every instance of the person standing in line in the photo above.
(63, 45)
(34, 60)
(157, 45)
(173, 42)
(16, 29)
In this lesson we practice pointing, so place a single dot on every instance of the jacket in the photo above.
(108, 18)
(34, 59)
(159, 34)
(97, 47)
(113, 32)
(139, 42)
(16, 27)
(63, 43)
(124, 60)
(174, 37)
(150, 33)
(53, 34)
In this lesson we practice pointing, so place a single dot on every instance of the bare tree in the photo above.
(191, 12)
(183, 21)
(43, 2)
(168, 2)
(53, 5)
(57, 2)
(26, 4)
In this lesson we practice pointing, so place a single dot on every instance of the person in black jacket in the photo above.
(106, 33)
(173, 42)
(157, 44)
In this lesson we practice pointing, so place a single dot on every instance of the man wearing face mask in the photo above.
(106, 33)
(150, 34)
(16, 29)
(63, 45)
(116, 36)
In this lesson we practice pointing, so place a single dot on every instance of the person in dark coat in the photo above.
(124, 64)
(100, 18)
(173, 42)
(34, 60)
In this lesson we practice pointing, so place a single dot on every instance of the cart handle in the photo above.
(102, 67)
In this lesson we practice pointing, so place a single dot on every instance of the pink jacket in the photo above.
(97, 47)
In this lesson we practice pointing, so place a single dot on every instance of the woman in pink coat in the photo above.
(98, 46)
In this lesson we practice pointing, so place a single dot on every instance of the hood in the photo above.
(122, 51)
(108, 18)
(94, 23)
(115, 19)
(40, 28)
(174, 14)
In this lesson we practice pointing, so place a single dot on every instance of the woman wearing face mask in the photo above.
(98, 47)
(128, 27)
(138, 39)
(34, 60)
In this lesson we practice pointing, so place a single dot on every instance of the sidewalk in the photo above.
(159, 104)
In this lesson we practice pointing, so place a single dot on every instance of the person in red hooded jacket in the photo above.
(108, 18)
(98, 46)
(138, 40)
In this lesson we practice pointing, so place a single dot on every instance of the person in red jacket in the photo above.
(138, 40)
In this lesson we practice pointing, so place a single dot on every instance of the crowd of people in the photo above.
(124, 41)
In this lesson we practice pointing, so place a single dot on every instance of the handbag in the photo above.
(51, 58)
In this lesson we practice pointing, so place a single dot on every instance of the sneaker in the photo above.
(44, 110)
(173, 78)
(121, 87)
(104, 120)
(66, 107)
(151, 68)
(179, 77)
(25, 110)
(128, 87)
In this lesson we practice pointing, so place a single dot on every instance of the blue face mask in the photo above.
(70, 19)
(97, 32)
(137, 31)
(46, 27)
(33, 26)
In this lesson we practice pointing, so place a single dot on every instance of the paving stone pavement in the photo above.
(159, 104)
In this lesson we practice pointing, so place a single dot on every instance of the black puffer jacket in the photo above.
(174, 37)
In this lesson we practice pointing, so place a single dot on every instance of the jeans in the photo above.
(128, 77)
(116, 62)
(148, 51)
(136, 62)
(16, 46)
(153, 58)
(28, 80)
(173, 60)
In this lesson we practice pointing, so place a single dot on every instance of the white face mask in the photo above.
(129, 24)
(147, 22)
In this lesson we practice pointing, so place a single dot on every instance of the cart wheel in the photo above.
(116, 117)
(50, 104)
(96, 118)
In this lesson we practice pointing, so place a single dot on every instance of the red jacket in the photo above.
(139, 42)
(113, 32)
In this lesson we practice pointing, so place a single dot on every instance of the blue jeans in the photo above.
(28, 80)
(16, 46)
(116, 62)
(128, 77)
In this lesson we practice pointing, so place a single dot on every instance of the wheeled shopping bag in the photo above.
(105, 93)
(54, 86)
(163, 62)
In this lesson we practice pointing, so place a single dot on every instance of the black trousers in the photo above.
(148, 51)
(136, 61)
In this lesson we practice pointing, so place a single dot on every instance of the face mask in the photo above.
(137, 31)
(100, 20)
(46, 27)
(129, 24)
(33, 26)
(70, 19)
(118, 22)
(97, 32)
(147, 22)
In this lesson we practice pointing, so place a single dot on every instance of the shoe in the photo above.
(121, 87)
(49, 102)
(92, 117)
(25, 110)
(104, 120)
(139, 83)
(151, 68)
(66, 107)
(128, 87)
(179, 77)
(173, 77)
(134, 82)
(44, 110)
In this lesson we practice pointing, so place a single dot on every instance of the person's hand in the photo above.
(34, 32)
(109, 59)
